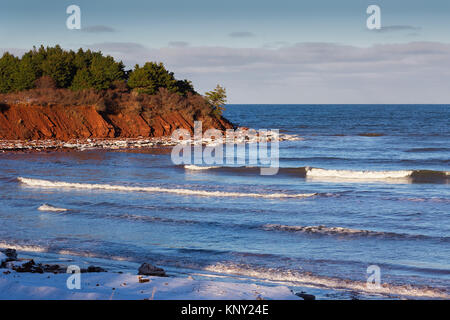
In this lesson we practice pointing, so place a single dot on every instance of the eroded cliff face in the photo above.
(28, 122)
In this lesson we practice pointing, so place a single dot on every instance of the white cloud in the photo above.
(415, 72)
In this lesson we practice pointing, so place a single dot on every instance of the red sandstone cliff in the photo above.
(28, 122)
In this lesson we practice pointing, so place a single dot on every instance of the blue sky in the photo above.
(285, 51)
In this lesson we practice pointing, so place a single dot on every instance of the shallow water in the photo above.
(368, 185)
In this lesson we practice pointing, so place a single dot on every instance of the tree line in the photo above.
(83, 70)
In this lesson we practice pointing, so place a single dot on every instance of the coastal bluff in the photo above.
(36, 122)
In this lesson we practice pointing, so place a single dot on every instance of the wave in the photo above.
(195, 168)
(308, 279)
(52, 248)
(319, 173)
(23, 247)
(426, 176)
(421, 150)
(267, 274)
(342, 231)
(88, 186)
(352, 174)
(46, 207)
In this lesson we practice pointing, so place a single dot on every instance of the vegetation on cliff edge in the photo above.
(53, 76)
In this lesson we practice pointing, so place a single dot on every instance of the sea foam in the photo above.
(46, 207)
(88, 186)
(352, 174)
(291, 277)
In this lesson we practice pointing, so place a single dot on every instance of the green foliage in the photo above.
(58, 64)
(104, 71)
(80, 70)
(84, 70)
(217, 98)
(8, 68)
(25, 74)
(152, 76)
(82, 80)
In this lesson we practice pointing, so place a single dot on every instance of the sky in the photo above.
(284, 51)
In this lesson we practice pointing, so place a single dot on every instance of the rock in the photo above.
(95, 269)
(143, 280)
(27, 266)
(306, 296)
(55, 268)
(3, 259)
(11, 254)
(148, 270)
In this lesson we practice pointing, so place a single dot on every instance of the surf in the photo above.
(291, 277)
(425, 176)
(87, 186)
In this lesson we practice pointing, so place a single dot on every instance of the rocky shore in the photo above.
(26, 279)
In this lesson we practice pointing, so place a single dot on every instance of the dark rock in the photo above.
(95, 269)
(148, 270)
(306, 296)
(55, 268)
(10, 253)
(29, 266)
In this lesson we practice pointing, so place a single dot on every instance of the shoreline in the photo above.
(23, 279)
(83, 144)
(126, 286)
(112, 143)
(105, 279)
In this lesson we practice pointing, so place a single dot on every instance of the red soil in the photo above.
(28, 122)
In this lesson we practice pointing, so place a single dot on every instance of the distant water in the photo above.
(367, 185)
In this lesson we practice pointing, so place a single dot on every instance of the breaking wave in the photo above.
(351, 174)
(291, 277)
(412, 175)
(341, 231)
(88, 186)
(194, 167)
(318, 173)
(46, 207)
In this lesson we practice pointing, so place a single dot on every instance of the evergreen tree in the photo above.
(104, 71)
(25, 75)
(84, 70)
(8, 68)
(217, 99)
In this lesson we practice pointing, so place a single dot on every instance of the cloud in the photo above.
(18, 52)
(178, 44)
(98, 29)
(241, 34)
(398, 28)
(310, 72)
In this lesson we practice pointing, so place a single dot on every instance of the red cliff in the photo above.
(30, 122)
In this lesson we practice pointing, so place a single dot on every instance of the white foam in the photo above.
(60, 184)
(46, 207)
(195, 168)
(307, 279)
(27, 248)
(351, 174)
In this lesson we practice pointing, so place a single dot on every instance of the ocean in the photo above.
(365, 185)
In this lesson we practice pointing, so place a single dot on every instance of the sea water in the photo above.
(366, 185)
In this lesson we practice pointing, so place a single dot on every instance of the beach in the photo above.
(346, 198)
